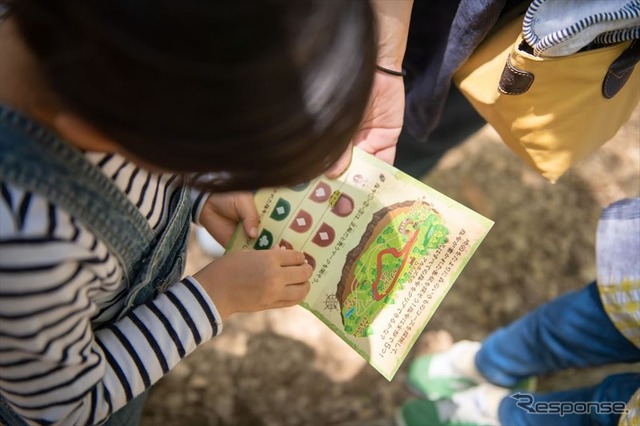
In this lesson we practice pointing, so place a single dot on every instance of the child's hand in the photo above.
(221, 214)
(250, 281)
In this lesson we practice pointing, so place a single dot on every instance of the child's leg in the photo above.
(570, 331)
(601, 404)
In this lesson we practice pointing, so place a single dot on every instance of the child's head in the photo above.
(267, 91)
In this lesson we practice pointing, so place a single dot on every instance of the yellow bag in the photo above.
(552, 112)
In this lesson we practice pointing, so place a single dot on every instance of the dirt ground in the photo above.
(285, 367)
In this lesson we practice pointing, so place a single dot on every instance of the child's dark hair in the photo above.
(266, 92)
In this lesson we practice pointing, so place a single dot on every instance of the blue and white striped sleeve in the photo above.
(198, 199)
(154, 337)
(58, 285)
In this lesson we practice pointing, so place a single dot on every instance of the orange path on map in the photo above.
(406, 250)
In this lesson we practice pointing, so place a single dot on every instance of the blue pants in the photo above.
(570, 331)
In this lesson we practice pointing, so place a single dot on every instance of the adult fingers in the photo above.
(388, 155)
(341, 165)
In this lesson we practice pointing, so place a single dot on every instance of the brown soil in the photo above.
(284, 367)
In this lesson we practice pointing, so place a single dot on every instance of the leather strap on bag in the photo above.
(516, 82)
(620, 70)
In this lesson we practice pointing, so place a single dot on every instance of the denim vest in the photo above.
(35, 159)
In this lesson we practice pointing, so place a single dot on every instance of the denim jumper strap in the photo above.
(35, 159)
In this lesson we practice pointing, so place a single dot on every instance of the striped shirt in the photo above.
(59, 284)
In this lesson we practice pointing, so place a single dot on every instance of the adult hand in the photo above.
(251, 281)
(221, 214)
(380, 128)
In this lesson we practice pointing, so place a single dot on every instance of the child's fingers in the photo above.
(295, 293)
(297, 274)
(283, 304)
(248, 213)
(289, 257)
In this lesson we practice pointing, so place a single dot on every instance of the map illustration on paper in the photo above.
(380, 265)
(385, 249)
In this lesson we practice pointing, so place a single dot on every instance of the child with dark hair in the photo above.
(111, 112)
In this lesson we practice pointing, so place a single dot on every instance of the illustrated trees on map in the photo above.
(379, 265)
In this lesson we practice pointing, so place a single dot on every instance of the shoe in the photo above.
(418, 412)
(476, 406)
(440, 375)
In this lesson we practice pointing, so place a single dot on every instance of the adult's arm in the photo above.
(382, 122)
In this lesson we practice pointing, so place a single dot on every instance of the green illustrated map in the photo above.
(385, 249)
(381, 264)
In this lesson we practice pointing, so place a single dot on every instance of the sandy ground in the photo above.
(284, 367)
